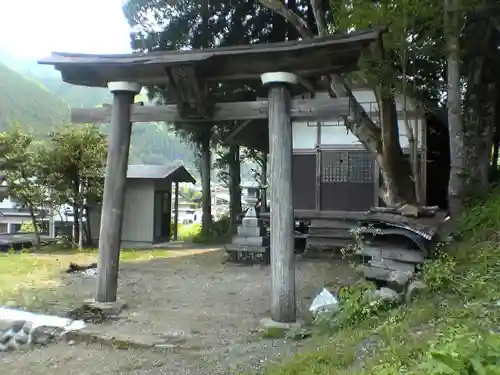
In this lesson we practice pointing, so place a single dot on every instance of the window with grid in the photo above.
(346, 166)
(360, 167)
(335, 166)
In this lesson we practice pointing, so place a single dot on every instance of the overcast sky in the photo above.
(34, 28)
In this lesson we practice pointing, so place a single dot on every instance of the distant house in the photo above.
(147, 217)
(12, 217)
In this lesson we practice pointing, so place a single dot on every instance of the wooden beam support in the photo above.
(114, 190)
(283, 304)
(324, 108)
(307, 84)
(242, 125)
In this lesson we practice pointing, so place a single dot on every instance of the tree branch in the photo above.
(293, 18)
(358, 122)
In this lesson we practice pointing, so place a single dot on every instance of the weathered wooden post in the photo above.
(283, 306)
(176, 208)
(114, 190)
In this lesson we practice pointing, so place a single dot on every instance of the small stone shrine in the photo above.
(251, 243)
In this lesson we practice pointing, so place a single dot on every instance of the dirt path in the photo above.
(195, 300)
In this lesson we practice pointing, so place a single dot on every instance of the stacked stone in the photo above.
(22, 333)
(251, 241)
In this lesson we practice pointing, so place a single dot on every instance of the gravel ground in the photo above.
(211, 306)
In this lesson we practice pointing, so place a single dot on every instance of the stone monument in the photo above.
(251, 242)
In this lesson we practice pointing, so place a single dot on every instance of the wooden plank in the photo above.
(283, 302)
(327, 243)
(337, 224)
(330, 233)
(347, 216)
(301, 109)
(394, 253)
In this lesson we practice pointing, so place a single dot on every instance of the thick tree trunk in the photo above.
(455, 125)
(206, 163)
(234, 185)
(396, 172)
(479, 121)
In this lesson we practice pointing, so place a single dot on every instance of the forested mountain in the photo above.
(35, 96)
(28, 102)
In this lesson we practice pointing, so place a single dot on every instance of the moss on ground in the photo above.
(452, 328)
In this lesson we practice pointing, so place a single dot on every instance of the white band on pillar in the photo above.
(279, 77)
(125, 86)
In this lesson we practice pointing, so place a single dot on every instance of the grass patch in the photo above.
(32, 280)
(453, 328)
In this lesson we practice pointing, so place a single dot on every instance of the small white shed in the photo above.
(147, 217)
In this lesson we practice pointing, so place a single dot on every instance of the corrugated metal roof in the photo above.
(177, 173)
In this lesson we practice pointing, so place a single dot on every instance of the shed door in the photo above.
(347, 182)
(162, 216)
(304, 181)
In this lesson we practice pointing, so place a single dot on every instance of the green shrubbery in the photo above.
(453, 328)
(219, 233)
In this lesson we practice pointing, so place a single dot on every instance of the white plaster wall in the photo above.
(335, 133)
(304, 135)
(137, 215)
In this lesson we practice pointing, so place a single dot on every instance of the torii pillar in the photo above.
(114, 190)
(283, 304)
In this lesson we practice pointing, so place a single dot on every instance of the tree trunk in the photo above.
(76, 226)
(478, 123)
(455, 126)
(396, 173)
(206, 162)
(88, 230)
(35, 227)
(496, 142)
(80, 230)
(234, 186)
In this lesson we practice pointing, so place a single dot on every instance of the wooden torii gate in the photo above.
(284, 68)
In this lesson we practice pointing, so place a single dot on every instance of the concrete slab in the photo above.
(108, 308)
(268, 323)
(106, 336)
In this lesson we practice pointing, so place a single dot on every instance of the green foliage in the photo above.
(439, 271)
(28, 227)
(26, 102)
(20, 169)
(73, 164)
(451, 329)
(413, 43)
(356, 304)
(189, 194)
(219, 232)
(463, 352)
